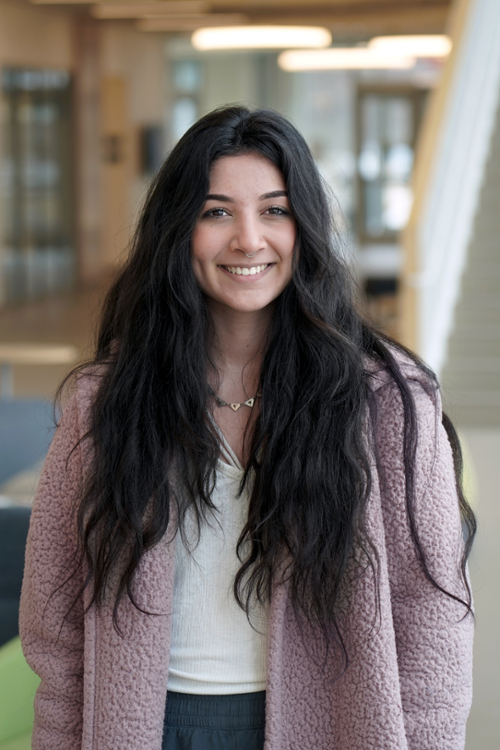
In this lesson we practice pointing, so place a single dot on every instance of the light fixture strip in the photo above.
(419, 45)
(342, 58)
(260, 37)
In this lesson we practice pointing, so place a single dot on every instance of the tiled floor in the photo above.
(72, 320)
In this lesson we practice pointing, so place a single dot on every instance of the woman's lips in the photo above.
(247, 272)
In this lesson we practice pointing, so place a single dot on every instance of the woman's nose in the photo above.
(248, 237)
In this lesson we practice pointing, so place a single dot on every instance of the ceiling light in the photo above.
(418, 45)
(342, 58)
(260, 37)
(138, 10)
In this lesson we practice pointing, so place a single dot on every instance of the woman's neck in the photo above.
(237, 349)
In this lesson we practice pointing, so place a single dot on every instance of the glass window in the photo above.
(184, 114)
(387, 124)
(187, 75)
(36, 183)
(187, 78)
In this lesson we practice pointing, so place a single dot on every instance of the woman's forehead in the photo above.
(247, 172)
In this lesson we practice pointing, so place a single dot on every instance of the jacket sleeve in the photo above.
(51, 619)
(433, 635)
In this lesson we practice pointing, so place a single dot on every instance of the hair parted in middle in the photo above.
(154, 449)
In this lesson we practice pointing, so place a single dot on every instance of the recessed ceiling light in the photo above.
(418, 45)
(260, 37)
(342, 58)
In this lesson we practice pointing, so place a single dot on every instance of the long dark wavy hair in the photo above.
(155, 451)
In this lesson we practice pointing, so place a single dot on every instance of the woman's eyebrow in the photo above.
(274, 194)
(226, 199)
(218, 197)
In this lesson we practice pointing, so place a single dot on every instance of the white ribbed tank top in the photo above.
(214, 650)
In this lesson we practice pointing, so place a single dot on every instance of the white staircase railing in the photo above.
(451, 189)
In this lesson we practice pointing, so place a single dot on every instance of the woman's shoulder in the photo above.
(80, 394)
(415, 373)
(87, 382)
(417, 384)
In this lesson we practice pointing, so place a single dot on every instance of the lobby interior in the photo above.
(93, 95)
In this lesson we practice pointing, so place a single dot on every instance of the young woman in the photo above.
(251, 500)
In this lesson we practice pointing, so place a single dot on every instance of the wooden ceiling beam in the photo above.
(304, 6)
(399, 20)
(347, 19)
(344, 28)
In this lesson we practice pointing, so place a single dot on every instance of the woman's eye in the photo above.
(277, 211)
(215, 213)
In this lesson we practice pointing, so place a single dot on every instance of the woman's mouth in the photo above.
(247, 270)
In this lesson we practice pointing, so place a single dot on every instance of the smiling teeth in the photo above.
(246, 271)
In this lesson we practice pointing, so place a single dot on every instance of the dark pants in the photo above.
(214, 722)
(14, 524)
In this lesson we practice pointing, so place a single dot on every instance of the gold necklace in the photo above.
(249, 402)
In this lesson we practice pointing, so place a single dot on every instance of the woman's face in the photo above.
(246, 212)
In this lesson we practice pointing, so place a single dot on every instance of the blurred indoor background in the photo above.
(399, 101)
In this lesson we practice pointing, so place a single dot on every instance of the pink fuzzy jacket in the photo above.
(408, 684)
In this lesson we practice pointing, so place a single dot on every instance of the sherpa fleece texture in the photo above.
(408, 683)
